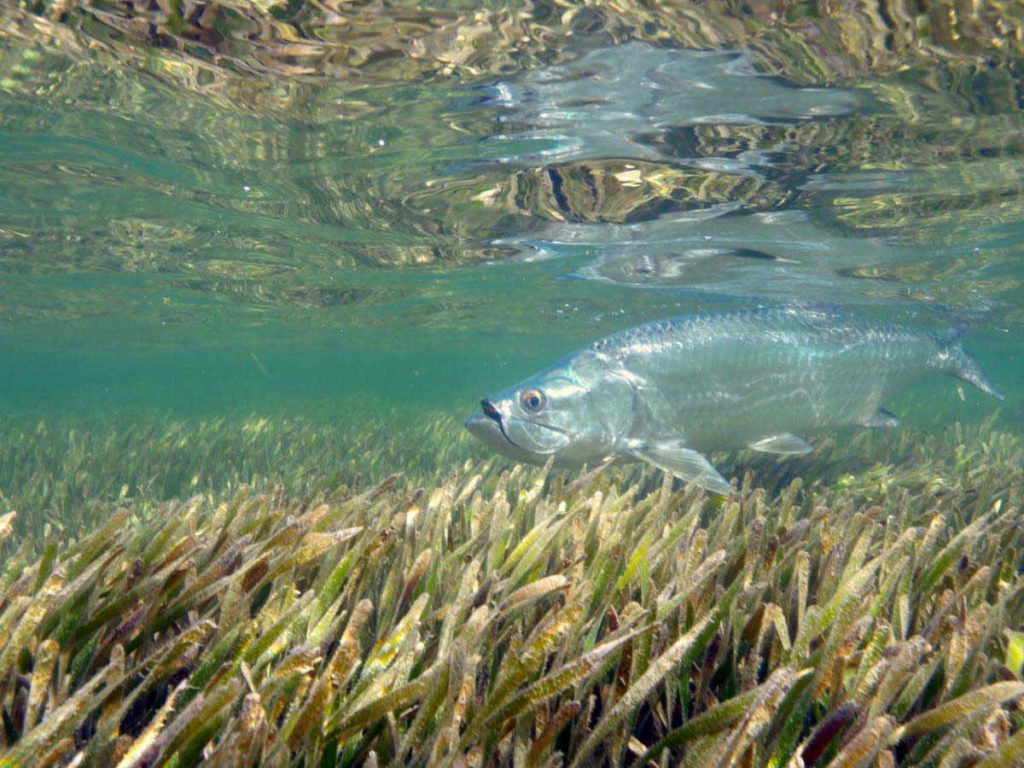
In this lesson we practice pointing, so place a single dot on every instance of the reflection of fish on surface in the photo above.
(679, 266)
(670, 391)
(770, 255)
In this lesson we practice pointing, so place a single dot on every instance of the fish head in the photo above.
(576, 410)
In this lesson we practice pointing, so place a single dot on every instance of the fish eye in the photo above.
(532, 400)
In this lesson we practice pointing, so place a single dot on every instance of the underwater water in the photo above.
(199, 221)
(260, 259)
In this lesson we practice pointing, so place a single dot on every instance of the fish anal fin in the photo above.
(882, 420)
(684, 463)
(782, 443)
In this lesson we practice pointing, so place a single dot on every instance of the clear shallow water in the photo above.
(194, 233)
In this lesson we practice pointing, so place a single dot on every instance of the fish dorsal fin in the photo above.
(782, 443)
(686, 464)
(882, 420)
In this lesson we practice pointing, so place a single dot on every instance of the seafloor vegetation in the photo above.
(297, 593)
(863, 615)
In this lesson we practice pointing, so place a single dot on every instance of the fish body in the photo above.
(671, 391)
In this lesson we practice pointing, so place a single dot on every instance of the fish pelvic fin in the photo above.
(682, 462)
(882, 420)
(957, 361)
(783, 443)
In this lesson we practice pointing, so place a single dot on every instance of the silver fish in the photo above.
(671, 391)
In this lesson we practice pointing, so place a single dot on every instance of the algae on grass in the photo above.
(526, 617)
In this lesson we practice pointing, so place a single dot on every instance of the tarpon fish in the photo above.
(671, 391)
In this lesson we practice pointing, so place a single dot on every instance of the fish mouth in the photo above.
(487, 427)
(533, 442)
(492, 413)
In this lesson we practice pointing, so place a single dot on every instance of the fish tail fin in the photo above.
(957, 361)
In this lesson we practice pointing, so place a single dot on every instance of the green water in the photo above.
(197, 221)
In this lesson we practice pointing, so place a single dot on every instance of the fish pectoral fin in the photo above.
(783, 443)
(882, 419)
(686, 464)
